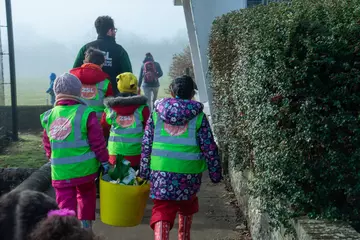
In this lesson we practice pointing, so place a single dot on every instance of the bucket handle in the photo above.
(144, 182)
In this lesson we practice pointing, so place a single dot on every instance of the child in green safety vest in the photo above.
(124, 121)
(96, 85)
(178, 146)
(74, 143)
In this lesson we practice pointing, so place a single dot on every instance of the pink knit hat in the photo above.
(67, 84)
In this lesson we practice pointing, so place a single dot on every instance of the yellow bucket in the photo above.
(121, 205)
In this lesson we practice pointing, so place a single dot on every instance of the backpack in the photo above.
(150, 74)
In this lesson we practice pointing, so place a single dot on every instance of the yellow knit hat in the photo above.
(127, 83)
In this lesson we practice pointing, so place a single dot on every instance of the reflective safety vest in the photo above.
(126, 132)
(93, 96)
(71, 156)
(176, 149)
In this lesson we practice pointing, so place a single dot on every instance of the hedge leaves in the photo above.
(286, 86)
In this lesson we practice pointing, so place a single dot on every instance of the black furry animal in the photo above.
(21, 211)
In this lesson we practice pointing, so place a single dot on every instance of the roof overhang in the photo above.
(178, 2)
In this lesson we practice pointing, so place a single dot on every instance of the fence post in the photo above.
(2, 80)
(14, 114)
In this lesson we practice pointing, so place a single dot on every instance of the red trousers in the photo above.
(166, 211)
(81, 199)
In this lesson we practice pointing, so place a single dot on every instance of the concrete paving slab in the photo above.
(216, 220)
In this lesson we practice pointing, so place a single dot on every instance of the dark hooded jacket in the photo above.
(116, 58)
(159, 73)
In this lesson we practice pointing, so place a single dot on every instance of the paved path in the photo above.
(217, 219)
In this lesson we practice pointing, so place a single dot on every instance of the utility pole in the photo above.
(2, 80)
(14, 113)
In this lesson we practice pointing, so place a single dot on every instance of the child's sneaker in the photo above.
(86, 224)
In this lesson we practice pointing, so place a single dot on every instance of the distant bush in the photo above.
(286, 84)
(180, 62)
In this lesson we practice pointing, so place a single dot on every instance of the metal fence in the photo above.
(2, 81)
(3, 128)
(24, 117)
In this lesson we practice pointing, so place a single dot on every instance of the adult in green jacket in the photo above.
(116, 58)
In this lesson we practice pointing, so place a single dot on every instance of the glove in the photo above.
(106, 167)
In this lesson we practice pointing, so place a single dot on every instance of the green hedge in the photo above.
(286, 86)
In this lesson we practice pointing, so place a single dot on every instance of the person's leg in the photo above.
(147, 93)
(162, 218)
(86, 199)
(52, 98)
(162, 230)
(66, 198)
(155, 95)
(187, 210)
(185, 223)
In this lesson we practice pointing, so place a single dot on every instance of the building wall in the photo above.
(195, 54)
(200, 15)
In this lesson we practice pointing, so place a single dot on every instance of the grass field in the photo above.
(29, 92)
(33, 91)
(27, 153)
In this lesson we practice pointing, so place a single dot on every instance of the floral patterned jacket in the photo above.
(170, 185)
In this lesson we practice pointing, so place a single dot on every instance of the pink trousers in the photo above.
(81, 199)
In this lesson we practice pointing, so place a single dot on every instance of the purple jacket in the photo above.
(175, 186)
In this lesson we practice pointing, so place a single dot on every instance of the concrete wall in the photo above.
(259, 222)
(29, 117)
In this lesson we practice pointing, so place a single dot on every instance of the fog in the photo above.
(49, 33)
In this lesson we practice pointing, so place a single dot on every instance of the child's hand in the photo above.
(139, 91)
(106, 167)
